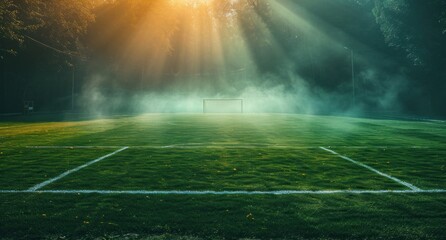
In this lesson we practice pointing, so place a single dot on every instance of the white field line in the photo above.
(234, 146)
(373, 170)
(49, 181)
(179, 192)
(72, 147)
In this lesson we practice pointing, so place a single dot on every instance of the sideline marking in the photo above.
(49, 181)
(373, 170)
(178, 192)
(233, 146)
(71, 147)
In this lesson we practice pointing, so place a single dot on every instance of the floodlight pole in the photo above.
(72, 87)
(352, 57)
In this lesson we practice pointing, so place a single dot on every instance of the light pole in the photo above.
(72, 88)
(352, 57)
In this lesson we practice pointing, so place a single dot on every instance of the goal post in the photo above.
(223, 105)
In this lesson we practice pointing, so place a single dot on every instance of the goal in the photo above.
(223, 105)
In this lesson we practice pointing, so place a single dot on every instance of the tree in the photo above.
(60, 22)
(45, 38)
(442, 19)
(10, 27)
(418, 28)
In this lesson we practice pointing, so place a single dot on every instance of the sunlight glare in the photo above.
(193, 3)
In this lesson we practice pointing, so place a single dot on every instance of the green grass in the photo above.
(389, 216)
(225, 169)
(166, 129)
(22, 168)
(223, 152)
(424, 167)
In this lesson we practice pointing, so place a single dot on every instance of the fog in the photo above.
(286, 60)
(281, 56)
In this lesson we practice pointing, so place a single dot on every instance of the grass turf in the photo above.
(390, 216)
(269, 152)
(22, 168)
(256, 169)
(423, 167)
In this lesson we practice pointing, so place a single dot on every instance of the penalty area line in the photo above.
(373, 170)
(49, 181)
(228, 146)
(72, 147)
(179, 192)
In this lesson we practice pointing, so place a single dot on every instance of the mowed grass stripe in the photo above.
(266, 129)
(227, 145)
(374, 170)
(225, 170)
(98, 216)
(21, 168)
(239, 192)
(277, 129)
(424, 167)
(50, 133)
(49, 181)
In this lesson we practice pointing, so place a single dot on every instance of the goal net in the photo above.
(222, 105)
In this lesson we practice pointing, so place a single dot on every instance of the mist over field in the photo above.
(329, 57)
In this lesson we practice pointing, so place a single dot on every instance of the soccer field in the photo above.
(223, 176)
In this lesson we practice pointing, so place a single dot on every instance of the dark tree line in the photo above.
(418, 30)
(40, 41)
(60, 23)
